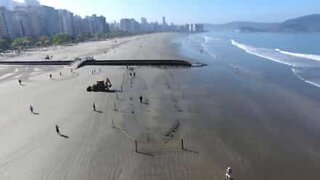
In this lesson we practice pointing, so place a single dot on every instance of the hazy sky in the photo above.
(183, 11)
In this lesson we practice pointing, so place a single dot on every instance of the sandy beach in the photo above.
(100, 145)
(224, 117)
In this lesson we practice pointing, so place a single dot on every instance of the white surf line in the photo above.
(249, 50)
(203, 45)
(313, 57)
(304, 80)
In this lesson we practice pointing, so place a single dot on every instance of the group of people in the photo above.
(132, 74)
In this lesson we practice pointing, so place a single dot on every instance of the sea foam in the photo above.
(303, 65)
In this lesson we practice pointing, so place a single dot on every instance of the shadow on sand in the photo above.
(98, 111)
(191, 151)
(35, 113)
(145, 103)
(144, 153)
(64, 136)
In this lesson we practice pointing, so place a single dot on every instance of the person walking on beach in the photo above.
(141, 98)
(31, 109)
(228, 173)
(57, 130)
(94, 106)
(134, 74)
(50, 76)
(20, 82)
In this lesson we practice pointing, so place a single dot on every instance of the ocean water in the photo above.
(250, 51)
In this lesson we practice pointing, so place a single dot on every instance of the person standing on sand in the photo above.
(141, 99)
(57, 129)
(94, 106)
(228, 173)
(20, 82)
(50, 76)
(31, 109)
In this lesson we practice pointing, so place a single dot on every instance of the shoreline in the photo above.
(109, 43)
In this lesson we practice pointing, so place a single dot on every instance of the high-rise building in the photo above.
(38, 21)
(144, 25)
(114, 27)
(164, 21)
(3, 24)
(164, 24)
(144, 20)
(129, 25)
(77, 20)
(6, 3)
(66, 22)
(199, 28)
(98, 24)
(11, 26)
(25, 21)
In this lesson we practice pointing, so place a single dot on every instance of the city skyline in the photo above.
(33, 20)
(203, 11)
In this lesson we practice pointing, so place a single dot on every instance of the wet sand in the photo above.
(225, 118)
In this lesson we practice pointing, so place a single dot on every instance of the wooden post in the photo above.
(182, 145)
(136, 145)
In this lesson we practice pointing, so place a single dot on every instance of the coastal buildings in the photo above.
(129, 25)
(164, 24)
(144, 25)
(91, 25)
(198, 28)
(97, 24)
(31, 19)
(10, 27)
(194, 28)
(66, 22)
(3, 23)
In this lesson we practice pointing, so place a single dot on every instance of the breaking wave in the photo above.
(305, 66)
(300, 55)
(203, 41)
